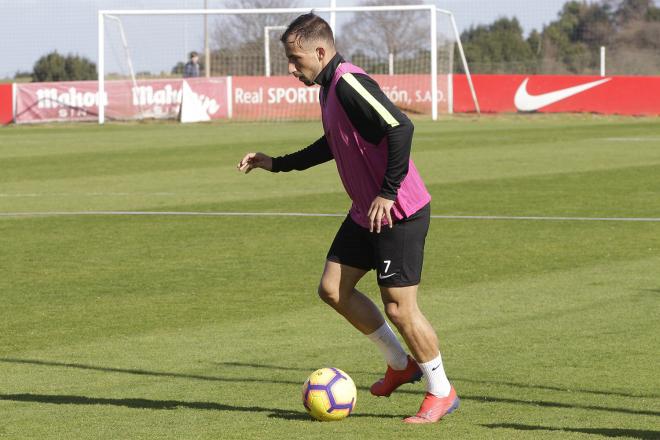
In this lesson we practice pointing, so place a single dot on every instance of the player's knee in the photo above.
(397, 314)
(329, 293)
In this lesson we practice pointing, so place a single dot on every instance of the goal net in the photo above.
(242, 73)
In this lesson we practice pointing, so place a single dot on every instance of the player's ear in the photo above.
(320, 53)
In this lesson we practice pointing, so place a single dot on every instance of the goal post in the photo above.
(426, 54)
(267, 30)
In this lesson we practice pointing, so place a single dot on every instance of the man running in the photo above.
(385, 229)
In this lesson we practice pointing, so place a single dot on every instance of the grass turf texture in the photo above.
(206, 327)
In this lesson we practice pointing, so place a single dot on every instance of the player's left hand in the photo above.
(379, 208)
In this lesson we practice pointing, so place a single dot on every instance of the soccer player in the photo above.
(385, 229)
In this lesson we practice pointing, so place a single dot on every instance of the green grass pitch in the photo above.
(201, 327)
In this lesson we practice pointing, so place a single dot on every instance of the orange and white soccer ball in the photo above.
(329, 394)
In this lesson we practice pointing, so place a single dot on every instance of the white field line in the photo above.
(633, 139)
(304, 214)
(89, 194)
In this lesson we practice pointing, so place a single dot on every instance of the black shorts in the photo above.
(397, 254)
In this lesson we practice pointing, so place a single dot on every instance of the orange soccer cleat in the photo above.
(395, 378)
(434, 408)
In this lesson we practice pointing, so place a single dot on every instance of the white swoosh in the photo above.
(525, 102)
(381, 277)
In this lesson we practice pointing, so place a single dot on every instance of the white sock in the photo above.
(389, 345)
(436, 379)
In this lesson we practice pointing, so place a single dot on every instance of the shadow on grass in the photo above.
(168, 405)
(457, 379)
(478, 399)
(140, 372)
(549, 404)
(552, 388)
(605, 432)
(281, 368)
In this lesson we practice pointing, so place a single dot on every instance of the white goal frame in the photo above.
(433, 11)
(267, 30)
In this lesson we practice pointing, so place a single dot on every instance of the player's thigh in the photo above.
(339, 279)
(400, 302)
(352, 246)
(349, 258)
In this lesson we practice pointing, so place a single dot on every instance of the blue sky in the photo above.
(32, 28)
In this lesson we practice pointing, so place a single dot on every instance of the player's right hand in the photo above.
(255, 160)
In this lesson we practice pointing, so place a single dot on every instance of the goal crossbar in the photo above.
(433, 10)
(270, 10)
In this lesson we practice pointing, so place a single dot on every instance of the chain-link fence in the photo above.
(500, 36)
(579, 37)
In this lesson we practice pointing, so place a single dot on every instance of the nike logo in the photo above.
(382, 277)
(436, 367)
(525, 102)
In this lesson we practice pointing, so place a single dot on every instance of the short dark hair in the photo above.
(193, 54)
(308, 27)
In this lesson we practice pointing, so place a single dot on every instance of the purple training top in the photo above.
(362, 165)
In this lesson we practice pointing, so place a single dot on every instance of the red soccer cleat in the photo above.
(395, 378)
(434, 408)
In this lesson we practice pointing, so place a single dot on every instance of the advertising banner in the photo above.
(623, 95)
(6, 104)
(284, 97)
(273, 98)
(124, 100)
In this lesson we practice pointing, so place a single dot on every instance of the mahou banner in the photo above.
(79, 100)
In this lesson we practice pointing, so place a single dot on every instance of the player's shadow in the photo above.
(456, 379)
(305, 370)
(475, 398)
(138, 403)
(605, 432)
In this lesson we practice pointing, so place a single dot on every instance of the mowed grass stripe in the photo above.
(193, 266)
(625, 192)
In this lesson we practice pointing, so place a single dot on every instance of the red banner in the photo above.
(6, 103)
(284, 97)
(624, 95)
(273, 98)
(78, 100)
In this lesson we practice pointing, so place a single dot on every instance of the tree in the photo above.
(500, 47)
(237, 41)
(636, 45)
(238, 29)
(630, 29)
(634, 10)
(55, 67)
(571, 42)
(376, 35)
(178, 68)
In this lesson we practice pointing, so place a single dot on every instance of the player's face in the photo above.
(304, 62)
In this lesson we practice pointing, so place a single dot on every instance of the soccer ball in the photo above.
(329, 394)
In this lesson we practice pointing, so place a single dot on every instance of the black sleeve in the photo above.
(315, 154)
(376, 116)
(398, 157)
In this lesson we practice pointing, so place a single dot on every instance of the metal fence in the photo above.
(500, 36)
